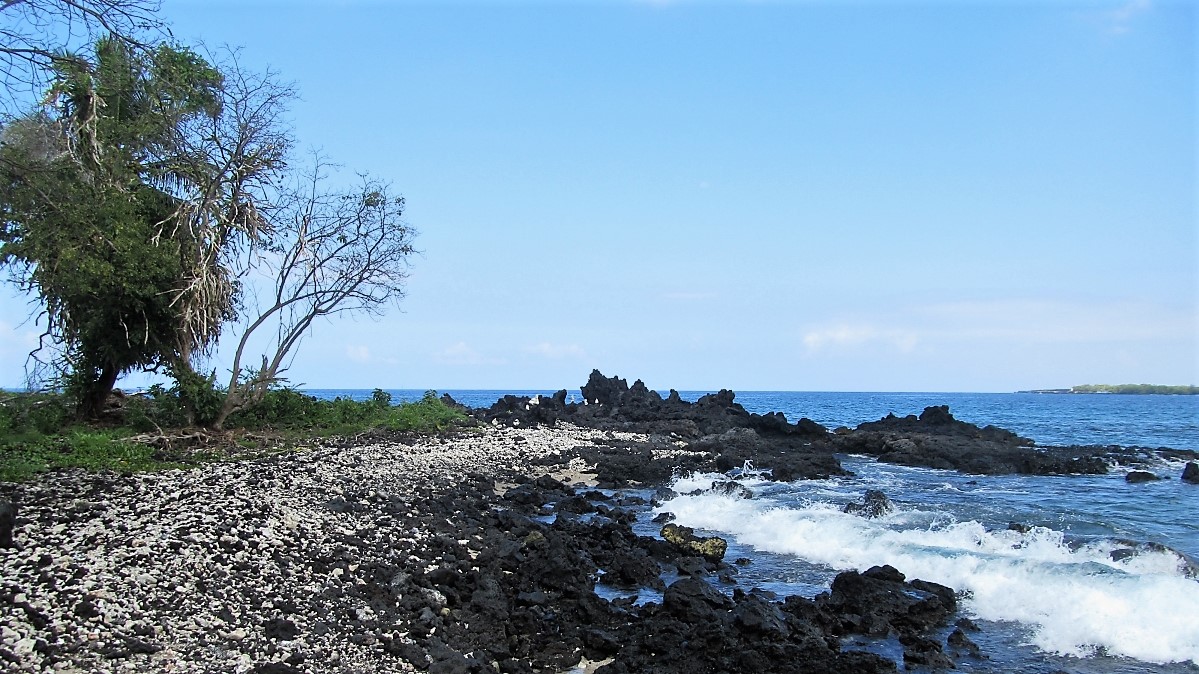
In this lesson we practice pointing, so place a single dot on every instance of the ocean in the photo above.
(1093, 580)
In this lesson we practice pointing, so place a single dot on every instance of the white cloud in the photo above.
(462, 353)
(358, 354)
(852, 335)
(557, 351)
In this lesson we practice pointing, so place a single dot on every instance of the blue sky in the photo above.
(784, 196)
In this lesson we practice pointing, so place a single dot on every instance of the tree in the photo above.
(338, 251)
(127, 202)
(37, 36)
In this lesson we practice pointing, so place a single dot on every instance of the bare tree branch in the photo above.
(35, 35)
(339, 252)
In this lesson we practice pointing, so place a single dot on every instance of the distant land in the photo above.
(1133, 389)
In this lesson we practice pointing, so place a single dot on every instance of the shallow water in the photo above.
(1050, 597)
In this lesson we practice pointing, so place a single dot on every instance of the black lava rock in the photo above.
(1191, 473)
(8, 518)
(875, 504)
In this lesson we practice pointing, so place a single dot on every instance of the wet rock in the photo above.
(959, 641)
(1190, 473)
(732, 488)
(921, 651)
(1138, 476)
(711, 548)
(874, 504)
(879, 600)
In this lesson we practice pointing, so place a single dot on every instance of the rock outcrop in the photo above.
(717, 433)
(936, 439)
(1191, 473)
(874, 504)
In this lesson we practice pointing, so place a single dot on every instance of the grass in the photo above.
(38, 432)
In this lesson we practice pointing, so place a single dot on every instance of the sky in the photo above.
(817, 196)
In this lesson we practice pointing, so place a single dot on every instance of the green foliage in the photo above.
(82, 221)
(381, 398)
(198, 396)
(428, 415)
(290, 410)
(37, 433)
(33, 413)
(1136, 389)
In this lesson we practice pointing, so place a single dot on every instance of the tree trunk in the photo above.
(97, 393)
(229, 406)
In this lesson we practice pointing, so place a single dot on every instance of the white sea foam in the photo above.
(1075, 599)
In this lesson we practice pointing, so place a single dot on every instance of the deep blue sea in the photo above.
(1087, 588)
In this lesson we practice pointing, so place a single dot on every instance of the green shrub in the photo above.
(38, 431)
(427, 415)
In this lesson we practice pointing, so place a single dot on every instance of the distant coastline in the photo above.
(1125, 389)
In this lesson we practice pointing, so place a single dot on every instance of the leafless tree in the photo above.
(36, 34)
(339, 251)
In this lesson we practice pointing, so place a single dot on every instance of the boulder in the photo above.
(878, 601)
(732, 488)
(8, 518)
(1191, 473)
(1138, 476)
(711, 548)
(694, 600)
(874, 504)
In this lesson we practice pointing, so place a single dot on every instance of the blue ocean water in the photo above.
(1095, 579)
(1097, 419)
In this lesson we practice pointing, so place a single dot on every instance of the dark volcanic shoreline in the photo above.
(473, 553)
(715, 433)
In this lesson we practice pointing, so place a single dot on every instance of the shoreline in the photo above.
(476, 552)
(394, 558)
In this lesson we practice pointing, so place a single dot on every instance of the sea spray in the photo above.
(1076, 598)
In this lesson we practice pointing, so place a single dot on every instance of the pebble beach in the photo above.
(236, 567)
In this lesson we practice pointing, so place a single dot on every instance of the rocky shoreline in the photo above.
(477, 552)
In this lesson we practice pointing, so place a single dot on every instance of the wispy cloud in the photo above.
(363, 355)
(1041, 321)
(1120, 20)
(557, 351)
(857, 334)
(1015, 321)
(461, 353)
